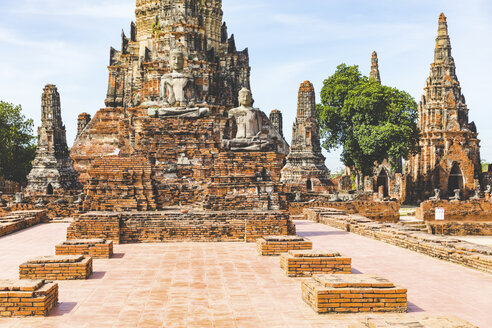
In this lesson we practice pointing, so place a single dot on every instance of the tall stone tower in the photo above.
(449, 158)
(52, 170)
(305, 169)
(277, 121)
(375, 67)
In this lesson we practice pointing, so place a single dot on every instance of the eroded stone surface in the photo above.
(353, 281)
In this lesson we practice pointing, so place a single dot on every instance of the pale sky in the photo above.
(66, 42)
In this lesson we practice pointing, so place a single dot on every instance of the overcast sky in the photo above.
(66, 42)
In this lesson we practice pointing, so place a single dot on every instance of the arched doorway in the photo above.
(455, 179)
(49, 189)
(309, 185)
(383, 181)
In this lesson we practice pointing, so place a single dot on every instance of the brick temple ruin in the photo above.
(449, 160)
(174, 133)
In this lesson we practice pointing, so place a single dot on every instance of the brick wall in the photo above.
(95, 248)
(173, 225)
(15, 221)
(276, 245)
(307, 263)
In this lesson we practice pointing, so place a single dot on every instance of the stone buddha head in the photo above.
(176, 60)
(245, 99)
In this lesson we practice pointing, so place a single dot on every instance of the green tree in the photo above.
(370, 121)
(16, 143)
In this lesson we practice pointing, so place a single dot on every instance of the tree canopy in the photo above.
(370, 121)
(16, 143)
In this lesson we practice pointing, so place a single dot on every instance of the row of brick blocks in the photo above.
(332, 288)
(35, 294)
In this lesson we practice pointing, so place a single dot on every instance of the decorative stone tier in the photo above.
(340, 293)
(460, 218)
(95, 248)
(68, 267)
(445, 248)
(408, 321)
(308, 262)
(27, 297)
(276, 245)
(173, 226)
(16, 221)
(378, 211)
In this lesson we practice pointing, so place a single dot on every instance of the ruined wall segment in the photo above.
(52, 170)
(305, 169)
(449, 158)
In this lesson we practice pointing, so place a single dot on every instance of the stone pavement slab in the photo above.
(229, 285)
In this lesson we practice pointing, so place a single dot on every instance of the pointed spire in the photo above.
(443, 43)
(375, 68)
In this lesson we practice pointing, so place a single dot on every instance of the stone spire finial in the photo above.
(375, 68)
(443, 42)
(306, 104)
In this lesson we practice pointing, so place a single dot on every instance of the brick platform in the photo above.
(68, 267)
(340, 293)
(95, 248)
(173, 225)
(275, 245)
(308, 262)
(27, 297)
(414, 322)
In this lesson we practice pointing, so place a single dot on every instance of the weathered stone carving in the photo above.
(476, 196)
(254, 132)
(449, 156)
(52, 169)
(19, 198)
(437, 195)
(457, 196)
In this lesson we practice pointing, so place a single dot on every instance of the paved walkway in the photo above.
(228, 285)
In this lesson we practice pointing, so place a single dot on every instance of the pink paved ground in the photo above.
(228, 285)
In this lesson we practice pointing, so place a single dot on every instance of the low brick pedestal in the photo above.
(340, 293)
(68, 267)
(275, 245)
(308, 262)
(95, 248)
(27, 297)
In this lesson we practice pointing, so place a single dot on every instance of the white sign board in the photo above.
(439, 214)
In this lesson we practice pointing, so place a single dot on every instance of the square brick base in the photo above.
(276, 245)
(95, 248)
(27, 297)
(69, 267)
(307, 263)
(340, 293)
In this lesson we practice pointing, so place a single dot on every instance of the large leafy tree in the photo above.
(17, 149)
(370, 121)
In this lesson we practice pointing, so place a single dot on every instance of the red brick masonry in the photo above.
(341, 293)
(308, 262)
(95, 248)
(275, 245)
(68, 267)
(16, 221)
(27, 297)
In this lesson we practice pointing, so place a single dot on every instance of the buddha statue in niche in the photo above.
(177, 91)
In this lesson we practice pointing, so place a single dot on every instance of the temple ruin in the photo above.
(52, 169)
(449, 158)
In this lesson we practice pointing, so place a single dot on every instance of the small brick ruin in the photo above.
(52, 169)
(340, 293)
(27, 297)
(276, 245)
(67, 267)
(308, 262)
(449, 158)
(305, 169)
(15, 221)
(95, 248)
